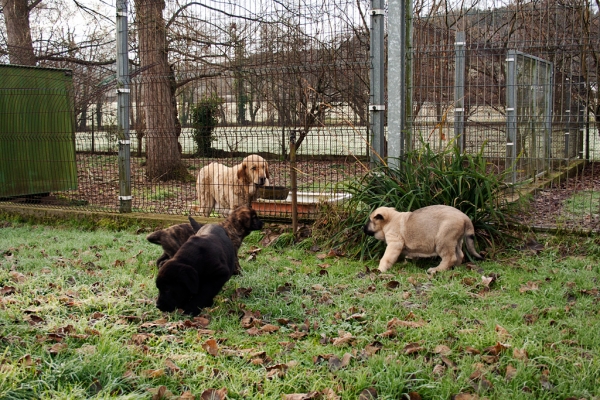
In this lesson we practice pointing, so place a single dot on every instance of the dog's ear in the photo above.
(244, 217)
(378, 217)
(267, 170)
(195, 225)
(242, 173)
(189, 277)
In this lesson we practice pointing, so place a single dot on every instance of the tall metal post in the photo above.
(123, 109)
(294, 180)
(511, 114)
(377, 95)
(459, 90)
(396, 80)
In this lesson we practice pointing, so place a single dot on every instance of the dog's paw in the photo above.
(432, 271)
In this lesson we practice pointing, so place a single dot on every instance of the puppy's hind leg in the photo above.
(449, 259)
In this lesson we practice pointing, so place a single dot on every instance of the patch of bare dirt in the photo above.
(98, 183)
(549, 207)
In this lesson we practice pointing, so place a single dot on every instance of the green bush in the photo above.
(204, 121)
(424, 177)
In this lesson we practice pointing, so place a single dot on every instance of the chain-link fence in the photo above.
(219, 81)
(517, 79)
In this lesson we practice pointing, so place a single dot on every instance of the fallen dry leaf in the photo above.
(442, 349)
(520, 354)
(439, 370)
(545, 380)
(487, 280)
(57, 348)
(482, 384)
(449, 363)
(336, 363)
(153, 373)
(214, 394)
(373, 348)
(392, 285)
(17, 277)
(33, 319)
(471, 350)
(390, 333)
(511, 372)
(171, 366)
(161, 393)
(7, 290)
(268, 328)
(502, 332)
(250, 319)
(343, 339)
(276, 371)
(412, 348)
(254, 331)
(395, 322)
(329, 394)
(26, 361)
(141, 338)
(298, 335)
(368, 394)
(211, 347)
(529, 287)
(495, 349)
(302, 396)
(187, 396)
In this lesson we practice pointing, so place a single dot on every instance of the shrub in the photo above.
(204, 121)
(424, 177)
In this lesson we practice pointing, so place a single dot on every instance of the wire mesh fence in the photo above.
(218, 81)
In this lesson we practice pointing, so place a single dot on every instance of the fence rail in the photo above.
(239, 78)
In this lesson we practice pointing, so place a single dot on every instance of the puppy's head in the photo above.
(377, 222)
(245, 220)
(176, 283)
(255, 170)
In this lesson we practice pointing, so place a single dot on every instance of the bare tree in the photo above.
(18, 31)
(163, 155)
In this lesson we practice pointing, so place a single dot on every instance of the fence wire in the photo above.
(218, 81)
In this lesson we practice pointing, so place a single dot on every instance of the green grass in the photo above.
(157, 193)
(583, 203)
(77, 320)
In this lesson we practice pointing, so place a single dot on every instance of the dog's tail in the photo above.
(195, 224)
(470, 240)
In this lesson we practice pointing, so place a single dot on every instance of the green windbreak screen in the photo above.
(37, 147)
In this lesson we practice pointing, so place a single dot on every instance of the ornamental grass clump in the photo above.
(422, 178)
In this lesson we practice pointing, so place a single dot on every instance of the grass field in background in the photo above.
(78, 320)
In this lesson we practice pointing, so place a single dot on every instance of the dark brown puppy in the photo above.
(171, 238)
(197, 272)
(239, 224)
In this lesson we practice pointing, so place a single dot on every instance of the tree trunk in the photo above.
(163, 157)
(18, 32)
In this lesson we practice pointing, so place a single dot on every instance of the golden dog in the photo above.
(224, 188)
(427, 232)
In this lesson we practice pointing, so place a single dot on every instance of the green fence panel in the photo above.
(37, 131)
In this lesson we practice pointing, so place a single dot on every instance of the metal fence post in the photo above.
(459, 90)
(511, 113)
(294, 181)
(123, 109)
(377, 95)
(397, 94)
